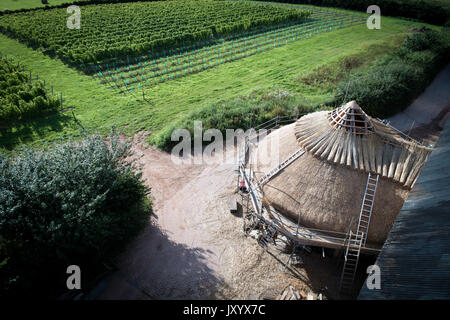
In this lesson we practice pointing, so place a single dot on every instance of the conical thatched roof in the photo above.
(347, 136)
(324, 187)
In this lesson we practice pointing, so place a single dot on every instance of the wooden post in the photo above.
(238, 177)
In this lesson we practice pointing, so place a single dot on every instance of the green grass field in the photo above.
(98, 108)
(28, 4)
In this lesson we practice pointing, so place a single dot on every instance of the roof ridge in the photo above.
(352, 118)
(373, 147)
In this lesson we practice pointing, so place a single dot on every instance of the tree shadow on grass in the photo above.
(155, 267)
(32, 129)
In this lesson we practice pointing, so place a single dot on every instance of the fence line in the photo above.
(31, 79)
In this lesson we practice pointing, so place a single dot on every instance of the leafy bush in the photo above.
(241, 113)
(75, 203)
(20, 99)
(392, 84)
(383, 91)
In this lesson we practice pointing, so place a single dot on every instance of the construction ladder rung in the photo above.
(347, 285)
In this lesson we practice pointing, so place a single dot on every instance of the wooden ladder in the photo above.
(351, 259)
(356, 240)
(281, 166)
(367, 206)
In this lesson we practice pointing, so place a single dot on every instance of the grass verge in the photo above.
(93, 107)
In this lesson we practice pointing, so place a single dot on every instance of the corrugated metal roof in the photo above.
(415, 259)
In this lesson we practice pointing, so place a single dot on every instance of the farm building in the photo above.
(336, 168)
(414, 260)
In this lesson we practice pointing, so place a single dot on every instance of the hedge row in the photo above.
(414, 9)
(392, 84)
(20, 98)
(241, 113)
(73, 204)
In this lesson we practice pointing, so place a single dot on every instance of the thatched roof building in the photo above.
(326, 184)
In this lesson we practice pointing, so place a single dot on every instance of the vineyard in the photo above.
(219, 68)
(19, 97)
(141, 27)
(145, 71)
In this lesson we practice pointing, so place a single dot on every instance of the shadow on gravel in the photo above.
(155, 267)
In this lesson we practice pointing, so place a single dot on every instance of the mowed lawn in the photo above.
(98, 108)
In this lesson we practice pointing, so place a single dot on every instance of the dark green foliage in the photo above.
(121, 29)
(392, 84)
(414, 9)
(20, 99)
(241, 113)
(76, 203)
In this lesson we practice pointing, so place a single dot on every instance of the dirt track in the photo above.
(193, 248)
(427, 106)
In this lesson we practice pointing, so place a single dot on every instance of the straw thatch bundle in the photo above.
(325, 185)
